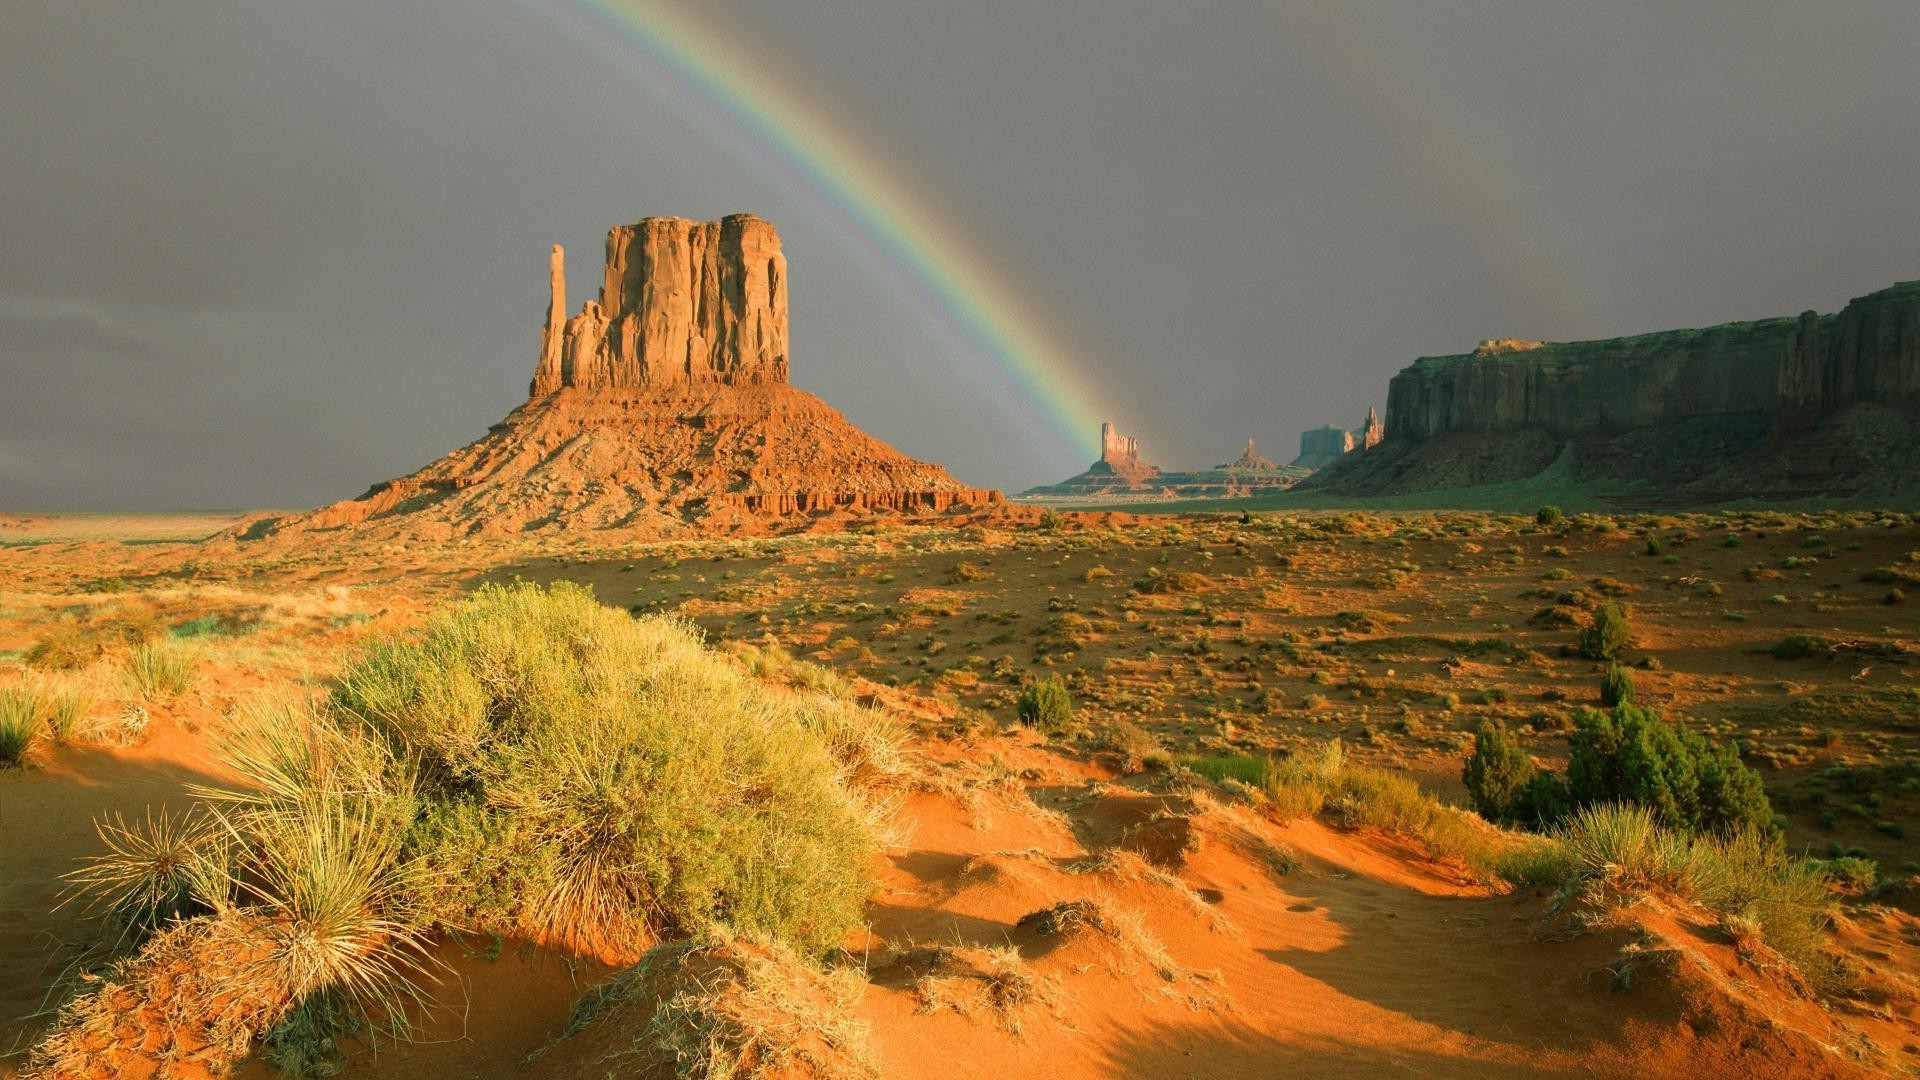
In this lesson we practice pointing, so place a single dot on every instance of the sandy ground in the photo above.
(1263, 948)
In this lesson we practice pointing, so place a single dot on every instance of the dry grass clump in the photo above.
(994, 980)
(598, 780)
(1129, 944)
(722, 1006)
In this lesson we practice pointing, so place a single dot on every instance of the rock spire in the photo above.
(682, 302)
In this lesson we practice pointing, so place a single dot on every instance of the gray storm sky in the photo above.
(264, 254)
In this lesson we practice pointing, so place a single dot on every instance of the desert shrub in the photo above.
(1616, 686)
(19, 724)
(1630, 755)
(1137, 747)
(1498, 773)
(1606, 634)
(1046, 705)
(1801, 646)
(1549, 517)
(962, 572)
(599, 781)
(159, 670)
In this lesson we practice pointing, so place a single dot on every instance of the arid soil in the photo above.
(1079, 905)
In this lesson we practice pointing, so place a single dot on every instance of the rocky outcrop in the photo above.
(682, 302)
(662, 408)
(1777, 408)
(1370, 433)
(1250, 461)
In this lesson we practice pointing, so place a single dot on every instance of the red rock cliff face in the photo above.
(682, 302)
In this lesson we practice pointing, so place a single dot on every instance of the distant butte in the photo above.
(1120, 476)
(661, 408)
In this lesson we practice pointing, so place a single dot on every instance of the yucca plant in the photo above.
(19, 724)
(152, 874)
(160, 670)
(1623, 845)
(331, 900)
(65, 707)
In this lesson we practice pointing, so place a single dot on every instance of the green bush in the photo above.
(1606, 635)
(1801, 646)
(599, 781)
(1616, 686)
(1549, 517)
(1630, 755)
(1046, 705)
(1498, 774)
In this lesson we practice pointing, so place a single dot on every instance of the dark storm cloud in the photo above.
(265, 254)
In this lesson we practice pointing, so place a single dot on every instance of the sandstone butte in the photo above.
(662, 407)
(1815, 407)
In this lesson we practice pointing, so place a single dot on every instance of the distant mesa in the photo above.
(1322, 446)
(661, 407)
(1814, 408)
(1121, 476)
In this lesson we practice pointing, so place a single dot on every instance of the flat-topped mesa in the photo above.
(682, 302)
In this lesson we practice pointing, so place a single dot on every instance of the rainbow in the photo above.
(800, 146)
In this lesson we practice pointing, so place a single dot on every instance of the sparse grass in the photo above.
(160, 670)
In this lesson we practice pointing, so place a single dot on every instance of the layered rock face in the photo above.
(661, 408)
(1784, 408)
(1869, 352)
(682, 302)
